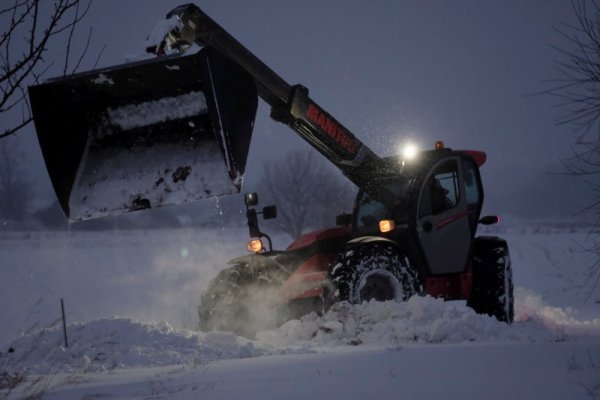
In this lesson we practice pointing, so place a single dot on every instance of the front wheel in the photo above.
(492, 279)
(243, 299)
(374, 271)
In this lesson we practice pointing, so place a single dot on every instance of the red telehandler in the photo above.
(178, 128)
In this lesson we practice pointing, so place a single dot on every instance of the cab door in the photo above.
(444, 229)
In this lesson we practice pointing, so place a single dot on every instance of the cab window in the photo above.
(472, 187)
(440, 192)
(370, 211)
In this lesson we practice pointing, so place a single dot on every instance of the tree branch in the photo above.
(39, 30)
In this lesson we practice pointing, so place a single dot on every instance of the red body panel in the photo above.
(311, 277)
(312, 237)
(478, 156)
(450, 287)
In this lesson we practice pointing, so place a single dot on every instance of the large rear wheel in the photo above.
(492, 279)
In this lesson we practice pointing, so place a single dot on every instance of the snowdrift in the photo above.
(110, 344)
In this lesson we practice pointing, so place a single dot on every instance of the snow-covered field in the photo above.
(131, 300)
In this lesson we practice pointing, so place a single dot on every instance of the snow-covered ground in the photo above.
(131, 300)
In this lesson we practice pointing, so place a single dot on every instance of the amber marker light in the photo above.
(386, 225)
(255, 246)
(439, 145)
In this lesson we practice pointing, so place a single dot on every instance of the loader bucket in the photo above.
(147, 134)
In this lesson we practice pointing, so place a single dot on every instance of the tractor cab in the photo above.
(436, 209)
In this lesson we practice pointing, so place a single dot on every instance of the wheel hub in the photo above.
(379, 285)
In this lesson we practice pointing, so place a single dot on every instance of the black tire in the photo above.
(374, 271)
(242, 299)
(493, 292)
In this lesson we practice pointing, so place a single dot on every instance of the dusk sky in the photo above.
(459, 71)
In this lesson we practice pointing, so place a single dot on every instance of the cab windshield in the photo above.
(371, 210)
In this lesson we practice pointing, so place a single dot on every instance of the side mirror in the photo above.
(343, 219)
(489, 220)
(269, 212)
(250, 199)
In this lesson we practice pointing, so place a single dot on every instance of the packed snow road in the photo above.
(475, 371)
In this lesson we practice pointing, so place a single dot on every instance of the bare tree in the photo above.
(579, 92)
(579, 87)
(308, 192)
(24, 42)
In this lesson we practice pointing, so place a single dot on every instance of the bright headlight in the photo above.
(409, 151)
